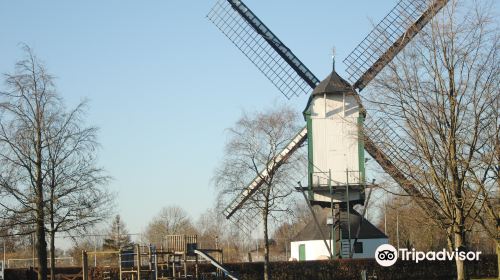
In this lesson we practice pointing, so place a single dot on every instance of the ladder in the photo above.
(345, 247)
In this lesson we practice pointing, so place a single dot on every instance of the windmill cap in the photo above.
(332, 84)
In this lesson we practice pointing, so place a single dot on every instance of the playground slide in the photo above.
(215, 263)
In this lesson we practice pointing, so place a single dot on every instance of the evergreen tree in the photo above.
(118, 236)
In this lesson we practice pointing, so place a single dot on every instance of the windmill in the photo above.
(338, 130)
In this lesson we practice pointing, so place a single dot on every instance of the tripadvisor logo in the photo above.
(387, 255)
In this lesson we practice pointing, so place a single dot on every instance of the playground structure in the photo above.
(178, 258)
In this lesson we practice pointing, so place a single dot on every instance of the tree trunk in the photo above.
(266, 245)
(459, 243)
(456, 180)
(498, 257)
(497, 241)
(52, 232)
(41, 243)
(52, 256)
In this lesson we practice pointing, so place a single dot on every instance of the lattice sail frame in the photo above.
(383, 36)
(248, 218)
(403, 155)
(262, 48)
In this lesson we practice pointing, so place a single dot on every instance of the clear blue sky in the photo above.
(164, 83)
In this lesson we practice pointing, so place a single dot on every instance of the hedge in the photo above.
(318, 270)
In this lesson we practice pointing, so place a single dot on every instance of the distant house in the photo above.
(308, 244)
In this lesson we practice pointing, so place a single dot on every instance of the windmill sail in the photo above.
(388, 38)
(381, 45)
(238, 202)
(262, 47)
(382, 146)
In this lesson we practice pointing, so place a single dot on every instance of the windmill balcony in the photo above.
(324, 194)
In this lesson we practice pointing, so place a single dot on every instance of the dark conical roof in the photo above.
(367, 230)
(332, 84)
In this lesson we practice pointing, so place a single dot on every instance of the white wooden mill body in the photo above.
(335, 142)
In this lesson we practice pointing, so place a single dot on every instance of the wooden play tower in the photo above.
(178, 258)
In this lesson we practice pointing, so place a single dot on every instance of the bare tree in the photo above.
(439, 96)
(254, 144)
(170, 220)
(214, 231)
(292, 225)
(75, 186)
(30, 100)
(86, 243)
(211, 226)
(403, 219)
(487, 180)
(48, 176)
(12, 242)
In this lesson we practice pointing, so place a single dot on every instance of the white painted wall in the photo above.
(316, 249)
(369, 247)
(325, 196)
(334, 120)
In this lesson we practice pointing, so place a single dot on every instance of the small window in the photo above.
(358, 247)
